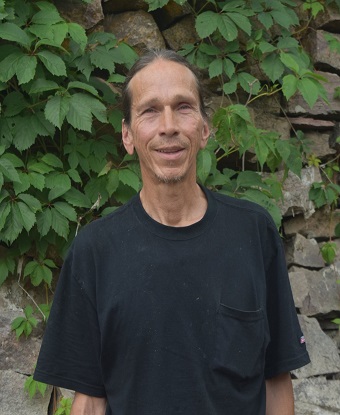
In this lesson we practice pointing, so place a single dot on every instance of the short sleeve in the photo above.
(70, 351)
(286, 350)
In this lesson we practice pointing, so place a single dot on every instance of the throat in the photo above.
(174, 208)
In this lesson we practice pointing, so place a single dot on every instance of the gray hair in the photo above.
(147, 59)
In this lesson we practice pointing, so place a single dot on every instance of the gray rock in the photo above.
(19, 355)
(318, 144)
(297, 105)
(304, 252)
(138, 29)
(296, 192)
(311, 124)
(181, 33)
(317, 396)
(15, 400)
(329, 19)
(119, 6)
(320, 51)
(319, 225)
(321, 348)
(315, 292)
(85, 14)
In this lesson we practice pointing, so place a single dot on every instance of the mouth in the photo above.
(170, 153)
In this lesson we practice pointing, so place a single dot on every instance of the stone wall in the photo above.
(316, 293)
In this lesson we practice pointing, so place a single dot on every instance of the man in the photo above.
(179, 302)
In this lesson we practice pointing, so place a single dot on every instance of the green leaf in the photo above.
(230, 87)
(241, 21)
(249, 179)
(289, 86)
(309, 91)
(13, 225)
(328, 252)
(13, 33)
(66, 210)
(59, 224)
(8, 170)
(27, 217)
(227, 28)
(112, 181)
(24, 132)
(43, 85)
(5, 209)
(206, 23)
(102, 58)
(129, 178)
(31, 201)
(46, 17)
(249, 83)
(204, 163)
(24, 183)
(44, 221)
(56, 109)
(78, 34)
(14, 103)
(79, 114)
(156, 4)
(272, 67)
(83, 86)
(289, 60)
(77, 198)
(283, 148)
(37, 180)
(215, 68)
(52, 160)
(9, 64)
(59, 183)
(53, 63)
(266, 19)
(7, 267)
(25, 68)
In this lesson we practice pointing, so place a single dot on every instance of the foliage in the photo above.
(32, 387)
(64, 407)
(24, 325)
(59, 117)
(328, 252)
(61, 161)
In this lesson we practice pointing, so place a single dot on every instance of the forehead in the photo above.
(163, 78)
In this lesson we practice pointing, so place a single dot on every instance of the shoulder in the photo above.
(241, 207)
(114, 223)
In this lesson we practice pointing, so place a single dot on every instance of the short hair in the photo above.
(145, 60)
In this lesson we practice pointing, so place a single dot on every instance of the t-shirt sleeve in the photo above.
(286, 350)
(70, 351)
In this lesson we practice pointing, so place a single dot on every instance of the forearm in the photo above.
(280, 398)
(88, 405)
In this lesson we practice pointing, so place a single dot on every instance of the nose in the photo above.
(168, 125)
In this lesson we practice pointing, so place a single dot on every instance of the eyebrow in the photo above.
(177, 98)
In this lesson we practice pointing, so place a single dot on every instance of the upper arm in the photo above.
(279, 395)
(88, 405)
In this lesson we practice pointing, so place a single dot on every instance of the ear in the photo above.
(127, 138)
(205, 134)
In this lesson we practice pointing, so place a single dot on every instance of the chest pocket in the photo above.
(240, 342)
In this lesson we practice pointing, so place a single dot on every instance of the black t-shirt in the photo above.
(163, 320)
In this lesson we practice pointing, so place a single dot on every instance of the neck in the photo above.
(175, 204)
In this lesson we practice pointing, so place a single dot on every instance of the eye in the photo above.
(184, 107)
(150, 110)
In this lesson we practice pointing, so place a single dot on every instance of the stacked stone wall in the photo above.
(315, 288)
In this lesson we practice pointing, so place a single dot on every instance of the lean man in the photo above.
(179, 302)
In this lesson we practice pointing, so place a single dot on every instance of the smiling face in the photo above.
(167, 128)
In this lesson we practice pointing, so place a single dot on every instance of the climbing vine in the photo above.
(61, 161)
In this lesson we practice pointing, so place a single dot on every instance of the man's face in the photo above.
(167, 128)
